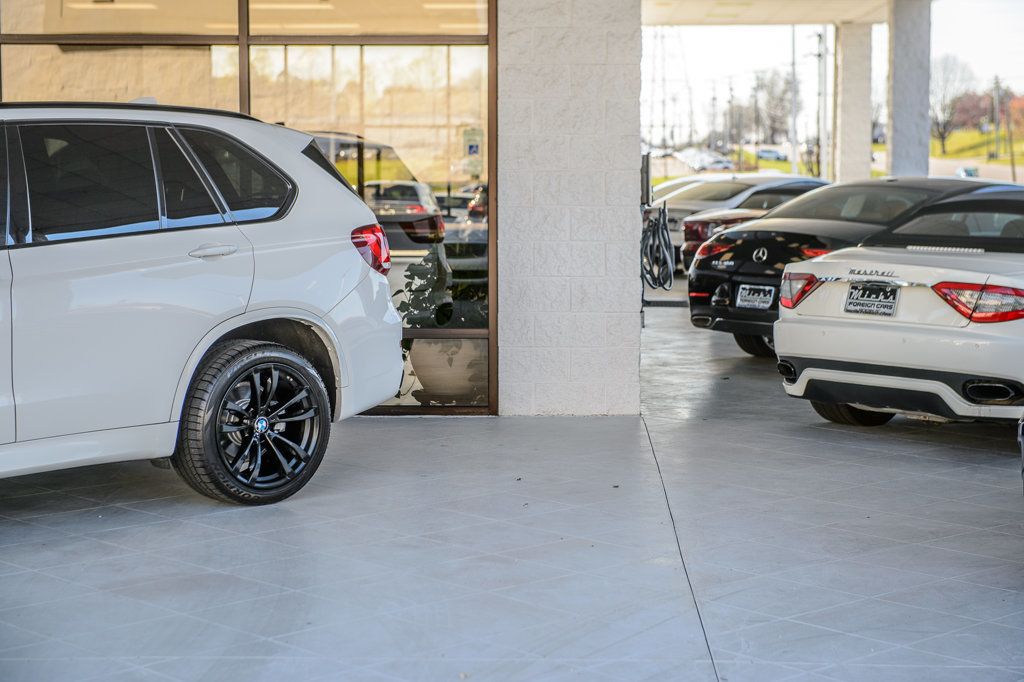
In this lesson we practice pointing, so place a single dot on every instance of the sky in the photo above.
(704, 60)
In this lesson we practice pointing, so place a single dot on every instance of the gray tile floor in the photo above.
(532, 549)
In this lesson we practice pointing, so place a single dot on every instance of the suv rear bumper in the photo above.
(371, 360)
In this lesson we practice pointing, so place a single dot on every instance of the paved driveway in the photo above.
(530, 549)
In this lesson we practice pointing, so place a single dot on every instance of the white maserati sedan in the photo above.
(925, 319)
(184, 283)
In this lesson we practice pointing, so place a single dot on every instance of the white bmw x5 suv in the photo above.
(184, 283)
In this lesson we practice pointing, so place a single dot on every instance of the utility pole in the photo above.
(714, 116)
(1009, 141)
(793, 152)
(693, 126)
(757, 125)
(729, 122)
(997, 111)
(822, 55)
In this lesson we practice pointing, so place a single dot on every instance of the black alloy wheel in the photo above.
(268, 427)
(255, 424)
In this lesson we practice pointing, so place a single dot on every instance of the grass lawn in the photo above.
(966, 144)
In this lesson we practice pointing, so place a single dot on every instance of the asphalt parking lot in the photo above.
(533, 548)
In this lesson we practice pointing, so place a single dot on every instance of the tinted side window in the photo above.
(87, 180)
(767, 199)
(186, 201)
(314, 154)
(252, 189)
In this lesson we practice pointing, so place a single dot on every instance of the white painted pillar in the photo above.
(569, 206)
(908, 130)
(853, 102)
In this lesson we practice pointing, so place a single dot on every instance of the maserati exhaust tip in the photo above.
(787, 370)
(702, 321)
(990, 392)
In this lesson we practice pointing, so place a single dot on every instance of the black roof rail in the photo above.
(126, 105)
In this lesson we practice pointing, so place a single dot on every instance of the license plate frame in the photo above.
(748, 299)
(870, 298)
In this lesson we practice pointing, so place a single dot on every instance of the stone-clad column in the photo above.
(853, 102)
(568, 206)
(908, 130)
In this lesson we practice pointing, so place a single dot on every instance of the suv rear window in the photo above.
(252, 189)
(88, 180)
(874, 204)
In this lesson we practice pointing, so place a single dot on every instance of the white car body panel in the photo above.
(108, 332)
(101, 326)
(7, 433)
(924, 334)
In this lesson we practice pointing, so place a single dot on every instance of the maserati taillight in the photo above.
(796, 286)
(982, 302)
(372, 244)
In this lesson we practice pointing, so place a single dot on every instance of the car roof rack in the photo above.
(143, 106)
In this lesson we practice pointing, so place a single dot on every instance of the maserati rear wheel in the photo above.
(848, 415)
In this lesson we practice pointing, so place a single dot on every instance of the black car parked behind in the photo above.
(735, 277)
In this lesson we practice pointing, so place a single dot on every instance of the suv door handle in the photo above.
(213, 250)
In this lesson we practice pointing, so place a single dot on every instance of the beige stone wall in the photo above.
(568, 206)
(192, 76)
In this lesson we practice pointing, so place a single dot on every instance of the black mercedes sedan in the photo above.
(735, 276)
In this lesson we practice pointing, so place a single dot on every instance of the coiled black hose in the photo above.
(657, 257)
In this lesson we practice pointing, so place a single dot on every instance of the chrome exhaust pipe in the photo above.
(702, 321)
(989, 392)
(787, 370)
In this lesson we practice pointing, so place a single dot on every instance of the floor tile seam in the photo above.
(69, 639)
(681, 553)
(939, 612)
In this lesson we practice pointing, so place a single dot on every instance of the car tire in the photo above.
(758, 346)
(255, 424)
(848, 415)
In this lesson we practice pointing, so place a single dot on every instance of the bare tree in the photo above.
(775, 102)
(951, 79)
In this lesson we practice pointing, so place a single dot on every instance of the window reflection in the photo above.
(405, 126)
(353, 17)
(444, 372)
(209, 17)
(191, 76)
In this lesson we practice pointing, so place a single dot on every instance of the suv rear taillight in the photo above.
(796, 286)
(982, 302)
(372, 245)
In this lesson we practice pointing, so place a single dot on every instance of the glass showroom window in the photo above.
(396, 93)
(204, 17)
(359, 17)
(205, 76)
(406, 126)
